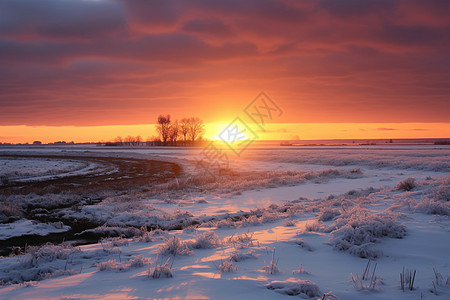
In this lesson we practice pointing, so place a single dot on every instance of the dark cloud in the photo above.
(68, 19)
(326, 61)
(263, 10)
(210, 27)
(176, 48)
(349, 8)
(151, 13)
(414, 35)
(385, 129)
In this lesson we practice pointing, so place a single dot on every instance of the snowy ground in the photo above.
(18, 169)
(26, 227)
(297, 221)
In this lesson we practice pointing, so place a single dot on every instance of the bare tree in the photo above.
(184, 129)
(174, 132)
(163, 127)
(153, 140)
(128, 141)
(118, 140)
(196, 128)
(137, 140)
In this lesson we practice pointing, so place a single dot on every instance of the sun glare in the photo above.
(229, 133)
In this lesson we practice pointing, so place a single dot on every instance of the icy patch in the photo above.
(40, 169)
(27, 227)
(19, 168)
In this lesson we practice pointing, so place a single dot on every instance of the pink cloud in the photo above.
(88, 62)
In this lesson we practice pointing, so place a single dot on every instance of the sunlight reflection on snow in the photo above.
(220, 255)
(207, 274)
(68, 281)
(259, 278)
(195, 267)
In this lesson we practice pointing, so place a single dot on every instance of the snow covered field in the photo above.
(16, 169)
(345, 221)
(25, 227)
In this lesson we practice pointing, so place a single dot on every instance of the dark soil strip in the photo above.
(131, 174)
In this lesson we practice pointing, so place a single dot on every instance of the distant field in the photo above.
(280, 220)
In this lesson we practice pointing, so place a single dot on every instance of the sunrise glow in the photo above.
(224, 149)
(76, 79)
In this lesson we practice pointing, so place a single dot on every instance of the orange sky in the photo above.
(83, 70)
(275, 131)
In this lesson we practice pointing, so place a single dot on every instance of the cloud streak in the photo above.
(123, 62)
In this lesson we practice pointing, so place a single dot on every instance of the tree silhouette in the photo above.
(188, 128)
(163, 128)
(174, 132)
(184, 129)
(196, 128)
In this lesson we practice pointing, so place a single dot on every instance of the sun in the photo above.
(226, 132)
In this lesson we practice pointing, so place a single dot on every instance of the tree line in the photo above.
(186, 131)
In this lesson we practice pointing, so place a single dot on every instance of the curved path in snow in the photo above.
(102, 173)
